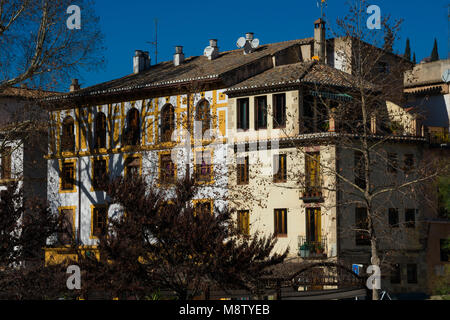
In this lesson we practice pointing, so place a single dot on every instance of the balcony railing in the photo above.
(439, 138)
(312, 194)
(312, 249)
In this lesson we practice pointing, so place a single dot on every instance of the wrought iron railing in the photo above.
(312, 249)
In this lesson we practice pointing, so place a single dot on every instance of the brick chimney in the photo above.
(74, 86)
(319, 39)
(178, 57)
(141, 61)
(212, 51)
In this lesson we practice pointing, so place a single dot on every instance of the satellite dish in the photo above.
(208, 51)
(241, 42)
(255, 43)
(446, 76)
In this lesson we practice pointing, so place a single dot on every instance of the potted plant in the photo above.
(304, 250)
(319, 249)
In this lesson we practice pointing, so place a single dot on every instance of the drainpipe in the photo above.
(79, 180)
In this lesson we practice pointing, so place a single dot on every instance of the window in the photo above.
(203, 115)
(410, 218)
(242, 170)
(243, 220)
(313, 225)
(396, 275)
(243, 113)
(392, 162)
(393, 217)
(383, 67)
(409, 163)
(312, 169)
(68, 176)
(100, 131)
(166, 169)
(279, 110)
(99, 221)
(279, 167)
(203, 165)
(66, 226)
(308, 114)
(360, 178)
(6, 163)
(132, 166)
(261, 112)
(202, 207)
(167, 122)
(361, 223)
(280, 222)
(444, 247)
(411, 270)
(68, 135)
(99, 173)
(133, 133)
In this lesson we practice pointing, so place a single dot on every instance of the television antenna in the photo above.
(323, 3)
(155, 43)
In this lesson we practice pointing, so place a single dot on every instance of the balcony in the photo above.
(312, 249)
(439, 138)
(312, 194)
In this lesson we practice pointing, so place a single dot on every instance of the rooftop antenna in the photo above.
(155, 43)
(322, 4)
(448, 31)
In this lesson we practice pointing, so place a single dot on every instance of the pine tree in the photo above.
(434, 53)
(407, 54)
(414, 58)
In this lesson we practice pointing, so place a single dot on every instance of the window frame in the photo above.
(73, 163)
(276, 111)
(161, 173)
(103, 134)
(362, 238)
(280, 215)
(94, 220)
(60, 233)
(94, 186)
(396, 274)
(67, 143)
(239, 112)
(198, 167)
(411, 275)
(243, 222)
(133, 131)
(242, 171)
(203, 114)
(260, 109)
(393, 214)
(167, 122)
(410, 223)
(281, 175)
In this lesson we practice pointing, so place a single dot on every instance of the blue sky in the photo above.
(129, 25)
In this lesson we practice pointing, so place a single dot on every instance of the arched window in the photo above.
(167, 122)
(68, 135)
(203, 114)
(133, 134)
(100, 131)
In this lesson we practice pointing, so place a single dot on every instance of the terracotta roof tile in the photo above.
(301, 72)
(194, 68)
